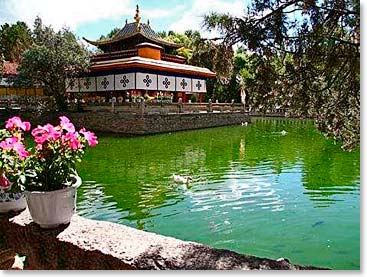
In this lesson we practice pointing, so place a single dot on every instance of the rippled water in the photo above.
(254, 190)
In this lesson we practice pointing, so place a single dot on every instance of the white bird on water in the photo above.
(182, 179)
(244, 123)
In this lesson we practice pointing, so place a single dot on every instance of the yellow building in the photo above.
(6, 87)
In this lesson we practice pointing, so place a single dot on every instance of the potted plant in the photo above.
(194, 98)
(52, 179)
(13, 159)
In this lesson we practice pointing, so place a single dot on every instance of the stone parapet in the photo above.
(90, 244)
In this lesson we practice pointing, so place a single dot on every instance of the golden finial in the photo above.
(137, 15)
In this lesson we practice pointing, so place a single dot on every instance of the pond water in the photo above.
(255, 190)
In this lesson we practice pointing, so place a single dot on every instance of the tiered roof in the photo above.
(137, 47)
(133, 29)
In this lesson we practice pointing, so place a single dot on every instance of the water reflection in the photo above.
(242, 190)
(94, 204)
(234, 162)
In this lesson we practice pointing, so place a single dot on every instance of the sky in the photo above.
(93, 18)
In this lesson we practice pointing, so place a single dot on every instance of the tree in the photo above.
(205, 53)
(53, 57)
(317, 46)
(1, 66)
(14, 40)
(202, 52)
(110, 34)
(182, 39)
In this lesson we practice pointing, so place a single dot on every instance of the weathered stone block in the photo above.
(91, 244)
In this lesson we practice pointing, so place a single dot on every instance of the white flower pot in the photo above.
(50, 209)
(12, 202)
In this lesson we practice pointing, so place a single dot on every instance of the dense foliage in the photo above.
(52, 58)
(14, 40)
(110, 34)
(205, 53)
(1, 66)
(306, 56)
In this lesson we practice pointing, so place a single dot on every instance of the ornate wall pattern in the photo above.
(183, 84)
(146, 81)
(138, 80)
(87, 84)
(166, 83)
(105, 83)
(198, 85)
(125, 81)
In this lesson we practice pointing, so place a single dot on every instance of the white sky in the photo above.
(179, 16)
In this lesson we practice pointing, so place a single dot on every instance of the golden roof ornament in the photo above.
(137, 15)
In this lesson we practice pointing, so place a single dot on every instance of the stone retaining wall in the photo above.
(90, 244)
(131, 124)
(134, 124)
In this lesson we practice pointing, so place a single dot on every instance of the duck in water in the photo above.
(186, 181)
(182, 179)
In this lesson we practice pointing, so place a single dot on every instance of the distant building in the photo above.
(135, 63)
(6, 83)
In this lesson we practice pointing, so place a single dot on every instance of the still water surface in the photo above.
(254, 190)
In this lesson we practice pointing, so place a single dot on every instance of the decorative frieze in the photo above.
(146, 81)
(198, 85)
(87, 84)
(125, 81)
(135, 81)
(105, 83)
(183, 84)
(166, 83)
(72, 85)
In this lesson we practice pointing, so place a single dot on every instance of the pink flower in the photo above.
(90, 137)
(14, 143)
(8, 143)
(43, 133)
(4, 182)
(22, 152)
(16, 122)
(66, 124)
(72, 140)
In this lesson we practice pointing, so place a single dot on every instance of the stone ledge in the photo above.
(91, 244)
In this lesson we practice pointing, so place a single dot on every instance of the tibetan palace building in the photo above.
(136, 63)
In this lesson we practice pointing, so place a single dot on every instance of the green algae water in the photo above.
(255, 190)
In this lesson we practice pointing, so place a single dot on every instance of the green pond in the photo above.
(254, 190)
